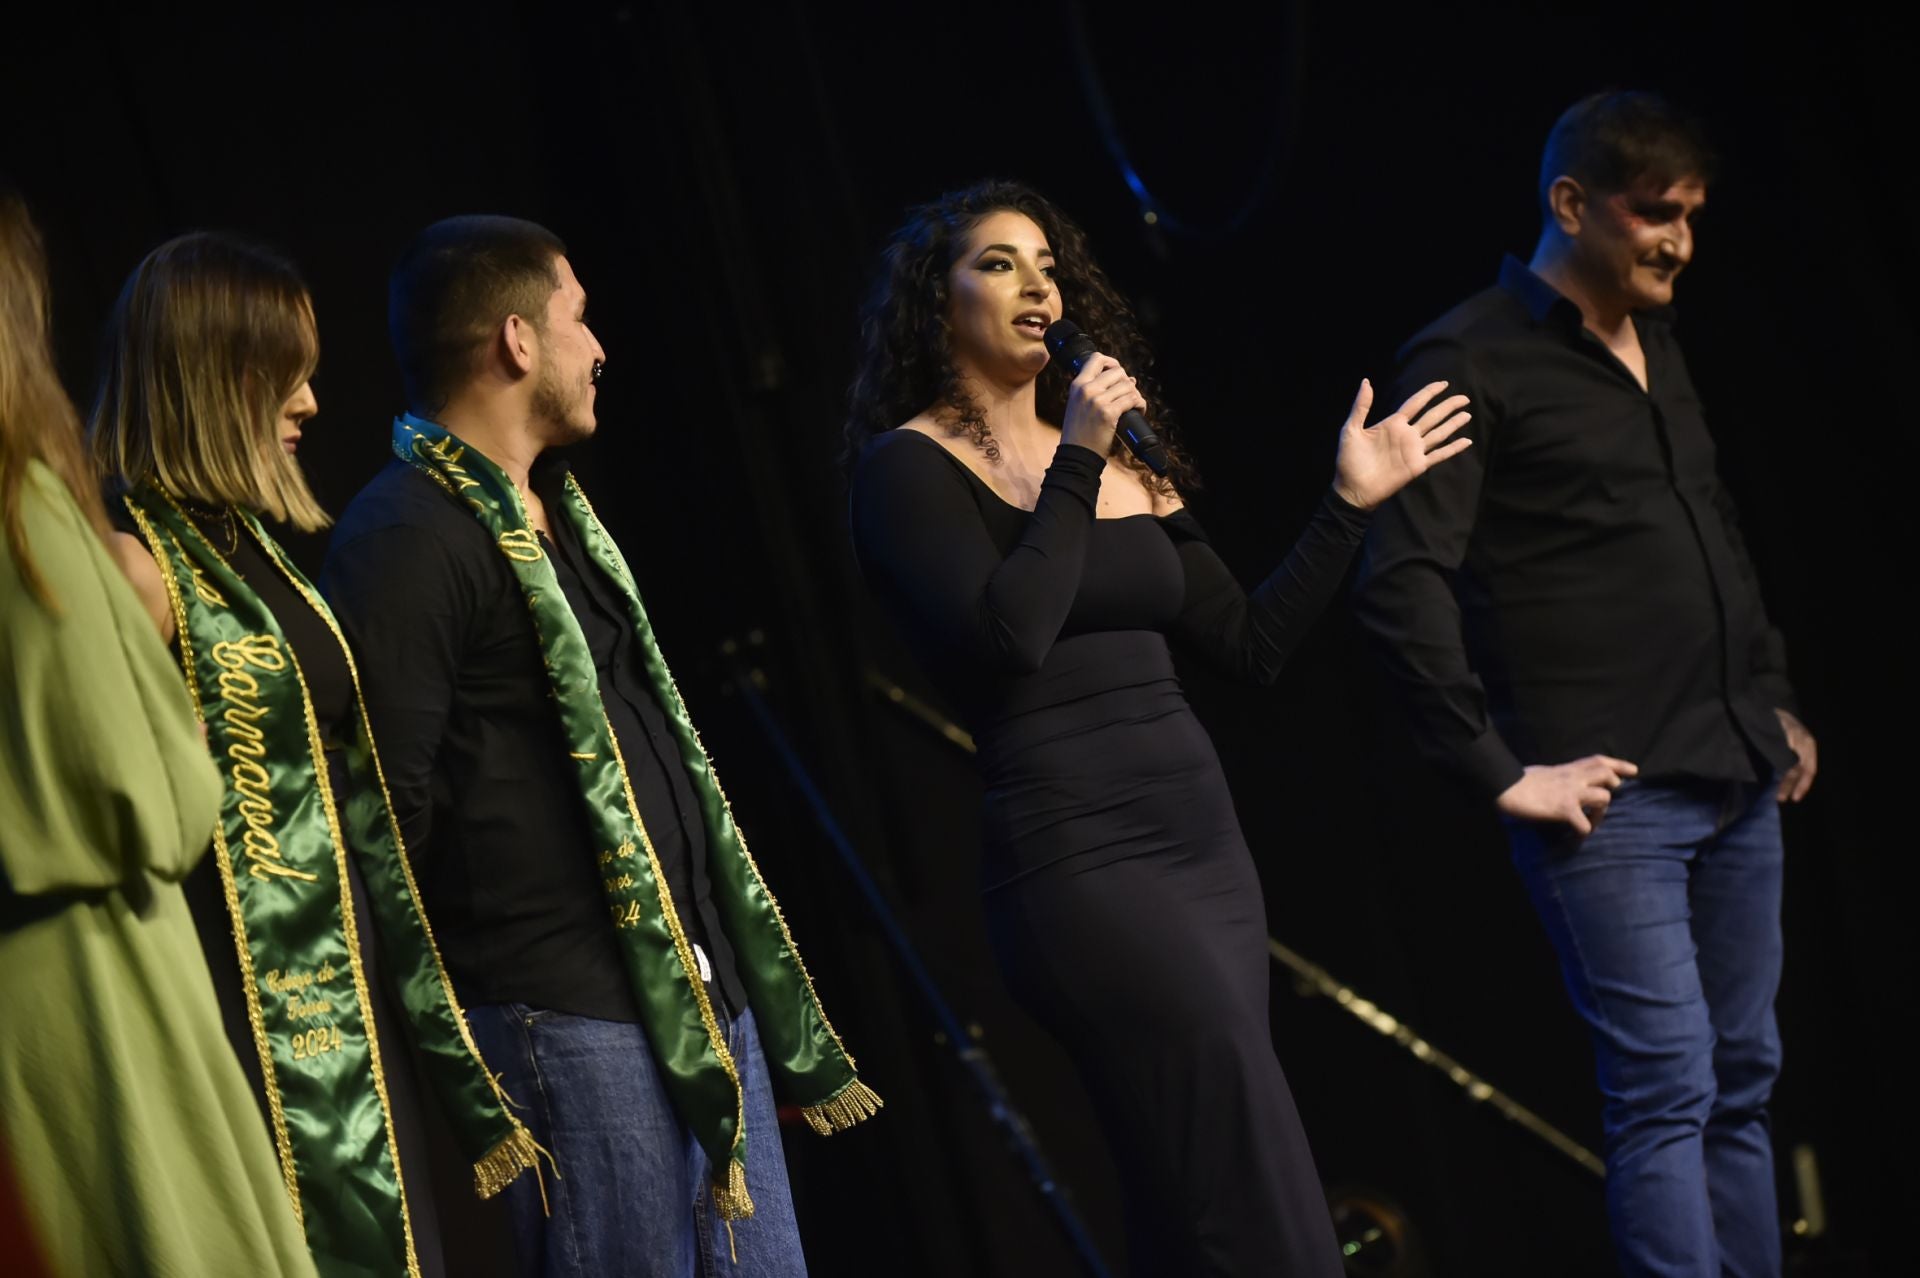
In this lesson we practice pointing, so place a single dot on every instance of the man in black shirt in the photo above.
(1572, 619)
(489, 323)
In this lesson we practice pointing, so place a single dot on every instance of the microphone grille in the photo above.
(1066, 341)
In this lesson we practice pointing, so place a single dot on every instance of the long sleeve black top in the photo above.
(1013, 609)
(1576, 582)
(474, 756)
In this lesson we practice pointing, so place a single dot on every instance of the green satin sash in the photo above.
(806, 1058)
(282, 861)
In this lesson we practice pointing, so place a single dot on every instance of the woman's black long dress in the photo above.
(1124, 906)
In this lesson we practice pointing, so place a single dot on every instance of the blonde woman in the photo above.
(200, 410)
(123, 1117)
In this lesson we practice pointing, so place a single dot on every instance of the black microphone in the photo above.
(1066, 341)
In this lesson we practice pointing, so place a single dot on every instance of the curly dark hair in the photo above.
(906, 363)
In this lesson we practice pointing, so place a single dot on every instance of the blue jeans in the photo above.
(633, 1197)
(1667, 923)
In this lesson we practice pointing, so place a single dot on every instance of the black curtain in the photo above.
(1336, 176)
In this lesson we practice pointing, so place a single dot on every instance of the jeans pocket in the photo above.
(529, 1015)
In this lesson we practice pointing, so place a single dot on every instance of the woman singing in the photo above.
(1043, 577)
(123, 1117)
(201, 406)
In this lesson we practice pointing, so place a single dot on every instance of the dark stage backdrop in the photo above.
(724, 176)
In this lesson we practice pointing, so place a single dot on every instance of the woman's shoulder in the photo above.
(43, 487)
(54, 524)
(910, 452)
(925, 428)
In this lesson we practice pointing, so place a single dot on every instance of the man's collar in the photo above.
(1543, 301)
(548, 472)
(1548, 305)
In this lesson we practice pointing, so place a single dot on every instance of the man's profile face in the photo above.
(564, 396)
(1637, 241)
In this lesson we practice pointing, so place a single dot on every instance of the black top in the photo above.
(1576, 582)
(661, 787)
(1015, 611)
(475, 757)
(323, 665)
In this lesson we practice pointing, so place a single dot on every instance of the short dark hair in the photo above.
(1609, 141)
(452, 289)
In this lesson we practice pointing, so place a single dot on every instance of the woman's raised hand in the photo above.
(1377, 461)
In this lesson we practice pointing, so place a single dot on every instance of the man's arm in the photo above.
(1404, 594)
(1769, 659)
(1769, 651)
(405, 608)
(1404, 599)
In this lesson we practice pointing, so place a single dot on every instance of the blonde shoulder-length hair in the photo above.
(211, 337)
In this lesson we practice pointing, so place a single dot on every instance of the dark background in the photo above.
(1339, 175)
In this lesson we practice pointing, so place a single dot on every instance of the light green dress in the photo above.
(123, 1113)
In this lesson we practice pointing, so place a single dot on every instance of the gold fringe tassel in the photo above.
(518, 1152)
(855, 1102)
(730, 1201)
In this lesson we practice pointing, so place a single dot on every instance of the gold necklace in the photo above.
(225, 515)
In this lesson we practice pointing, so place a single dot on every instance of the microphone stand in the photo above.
(953, 1033)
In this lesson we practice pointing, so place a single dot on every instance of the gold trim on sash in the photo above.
(779, 917)
(813, 1058)
(256, 1019)
(350, 926)
(349, 921)
(498, 1167)
(730, 1200)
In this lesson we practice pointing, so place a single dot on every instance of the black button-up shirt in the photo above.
(1576, 582)
(476, 762)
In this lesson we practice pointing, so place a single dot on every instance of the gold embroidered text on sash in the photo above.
(248, 749)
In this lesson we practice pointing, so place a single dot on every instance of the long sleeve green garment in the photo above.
(123, 1113)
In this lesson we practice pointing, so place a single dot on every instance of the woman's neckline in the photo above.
(989, 489)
